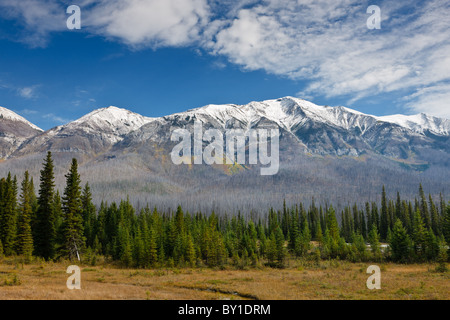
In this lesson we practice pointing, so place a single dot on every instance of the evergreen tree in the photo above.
(89, 213)
(384, 219)
(435, 221)
(446, 225)
(400, 243)
(74, 240)
(424, 208)
(419, 236)
(8, 216)
(24, 235)
(44, 232)
(374, 241)
(190, 251)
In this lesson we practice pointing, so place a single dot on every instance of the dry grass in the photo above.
(329, 280)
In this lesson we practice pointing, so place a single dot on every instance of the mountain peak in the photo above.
(112, 117)
(11, 115)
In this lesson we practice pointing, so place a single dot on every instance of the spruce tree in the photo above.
(24, 235)
(88, 215)
(435, 221)
(446, 225)
(400, 243)
(424, 208)
(384, 219)
(374, 241)
(44, 232)
(74, 240)
(419, 236)
(8, 216)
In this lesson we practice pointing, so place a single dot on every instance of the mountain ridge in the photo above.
(322, 129)
(325, 152)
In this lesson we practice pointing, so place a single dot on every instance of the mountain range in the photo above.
(333, 154)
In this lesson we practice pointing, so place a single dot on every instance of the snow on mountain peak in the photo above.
(112, 118)
(289, 112)
(419, 123)
(8, 114)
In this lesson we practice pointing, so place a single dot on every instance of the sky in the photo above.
(158, 57)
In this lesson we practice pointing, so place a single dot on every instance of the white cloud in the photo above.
(149, 22)
(28, 92)
(39, 17)
(432, 100)
(328, 44)
(325, 42)
(56, 118)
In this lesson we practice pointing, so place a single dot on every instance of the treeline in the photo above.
(54, 226)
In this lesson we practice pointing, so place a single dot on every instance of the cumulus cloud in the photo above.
(149, 22)
(38, 18)
(432, 100)
(324, 42)
(28, 92)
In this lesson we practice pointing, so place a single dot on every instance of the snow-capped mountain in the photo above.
(325, 152)
(316, 129)
(91, 134)
(7, 114)
(420, 123)
(14, 131)
(291, 112)
(321, 130)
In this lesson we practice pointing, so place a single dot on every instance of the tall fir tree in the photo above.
(89, 215)
(384, 219)
(424, 208)
(74, 240)
(44, 232)
(8, 215)
(24, 234)
(400, 243)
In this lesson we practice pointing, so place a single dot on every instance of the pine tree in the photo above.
(304, 241)
(88, 215)
(374, 241)
(24, 235)
(280, 249)
(44, 232)
(419, 236)
(446, 225)
(432, 245)
(125, 248)
(190, 251)
(8, 216)
(384, 219)
(400, 243)
(74, 240)
(424, 208)
(153, 249)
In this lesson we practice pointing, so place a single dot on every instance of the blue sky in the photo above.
(157, 57)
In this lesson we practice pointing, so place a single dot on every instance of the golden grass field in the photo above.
(299, 281)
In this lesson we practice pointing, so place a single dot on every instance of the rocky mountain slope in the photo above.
(330, 153)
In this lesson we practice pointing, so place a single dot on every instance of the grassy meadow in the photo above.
(304, 280)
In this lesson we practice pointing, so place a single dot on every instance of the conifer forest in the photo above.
(38, 221)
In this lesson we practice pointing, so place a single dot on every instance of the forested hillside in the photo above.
(54, 225)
